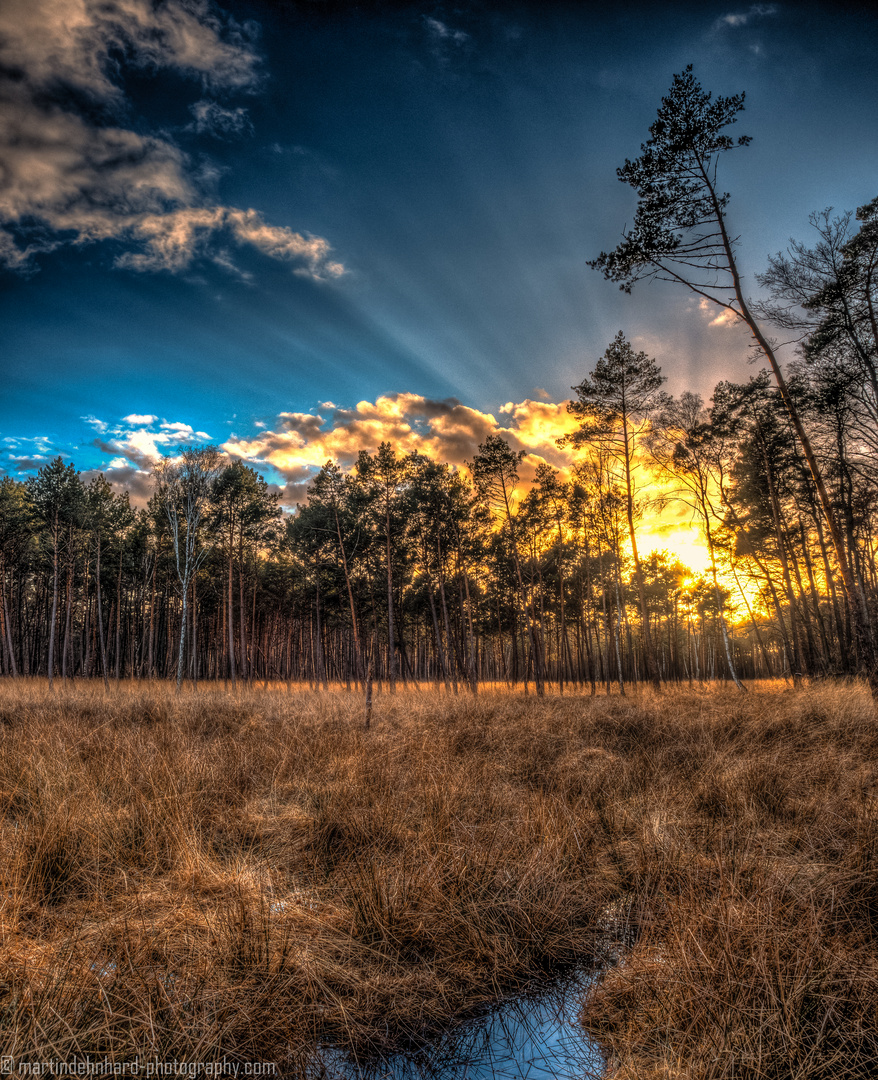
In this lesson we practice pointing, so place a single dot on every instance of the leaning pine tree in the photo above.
(680, 234)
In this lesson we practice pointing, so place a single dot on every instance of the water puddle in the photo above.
(533, 1037)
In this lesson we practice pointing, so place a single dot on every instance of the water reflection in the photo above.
(533, 1037)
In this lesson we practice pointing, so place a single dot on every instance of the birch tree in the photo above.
(183, 488)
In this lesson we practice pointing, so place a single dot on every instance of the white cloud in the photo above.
(724, 316)
(41, 443)
(440, 31)
(68, 178)
(133, 442)
(180, 432)
(736, 19)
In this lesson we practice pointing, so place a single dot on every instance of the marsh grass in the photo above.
(205, 876)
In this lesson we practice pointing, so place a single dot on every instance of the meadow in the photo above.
(206, 875)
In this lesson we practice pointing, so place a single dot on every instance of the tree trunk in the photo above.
(649, 653)
(361, 674)
(471, 652)
(538, 667)
(242, 617)
(231, 603)
(391, 629)
(119, 618)
(183, 616)
(65, 648)
(321, 664)
(439, 649)
(54, 615)
(7, 630)
(100, 615)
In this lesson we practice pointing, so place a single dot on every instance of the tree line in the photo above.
(407, 569)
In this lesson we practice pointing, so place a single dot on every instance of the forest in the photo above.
(405, 568)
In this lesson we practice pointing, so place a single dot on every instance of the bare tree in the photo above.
(183, 489)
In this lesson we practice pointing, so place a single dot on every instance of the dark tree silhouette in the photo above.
(613, 408)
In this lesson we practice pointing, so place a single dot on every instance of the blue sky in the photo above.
(294, 229)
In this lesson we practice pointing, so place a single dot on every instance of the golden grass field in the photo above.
(206, 875)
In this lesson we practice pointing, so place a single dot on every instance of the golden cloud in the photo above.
(445, 430)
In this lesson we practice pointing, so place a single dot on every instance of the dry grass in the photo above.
(207, 876)
(748, 840)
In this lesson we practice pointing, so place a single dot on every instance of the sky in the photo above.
(294, 229)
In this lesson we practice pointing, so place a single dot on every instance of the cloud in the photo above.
(74, 43)
(27, 453)
(301, 442)
(39, 447)
(447, 431)
(123, 478)
(72, 174)
(444, 40)
(213, 119)
(87, 182)
(24, 464)
(723, 316)
(736, 19)
(444, 430)
(136, 442)
(440, 31)
(182, 432)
